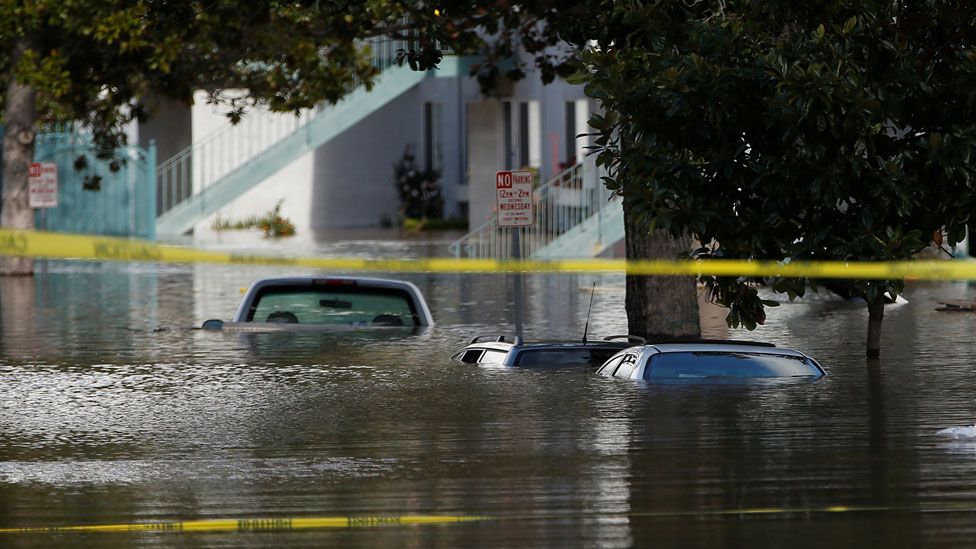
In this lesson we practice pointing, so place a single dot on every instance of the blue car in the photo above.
(709, 360)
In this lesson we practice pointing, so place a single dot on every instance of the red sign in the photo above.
(513, 199)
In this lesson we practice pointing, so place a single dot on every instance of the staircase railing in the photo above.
(224, 150)
(561, 204)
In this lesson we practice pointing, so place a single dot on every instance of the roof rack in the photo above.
(516, 340)
(712, 342)
(640, 340)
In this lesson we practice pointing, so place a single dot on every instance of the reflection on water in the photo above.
(114, 409)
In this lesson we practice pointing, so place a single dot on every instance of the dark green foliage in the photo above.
(97, 61)
(824, 130)
(419, 190)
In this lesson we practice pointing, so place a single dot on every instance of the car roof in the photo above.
(575, 345)
(720, 348)
(543, 345)
(311, 280)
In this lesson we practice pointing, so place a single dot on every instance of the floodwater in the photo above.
(113, 410)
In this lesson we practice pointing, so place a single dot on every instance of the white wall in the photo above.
(353, 173)
(292, 184)
(484, 159)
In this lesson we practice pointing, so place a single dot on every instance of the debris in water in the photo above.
(959, 432)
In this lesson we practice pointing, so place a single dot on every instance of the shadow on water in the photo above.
(114, 409)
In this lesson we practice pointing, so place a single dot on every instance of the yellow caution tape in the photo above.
(72, 246)
(252, 524)
(270, 524)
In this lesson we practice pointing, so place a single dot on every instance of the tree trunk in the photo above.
(875, 317)
(659, 307)
(18, 153)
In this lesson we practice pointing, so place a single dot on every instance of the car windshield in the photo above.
(356, 305)
(692, 365)
(541, 358)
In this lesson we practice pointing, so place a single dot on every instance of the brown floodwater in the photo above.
(113, 410)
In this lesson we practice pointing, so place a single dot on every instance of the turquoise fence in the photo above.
(124, 205)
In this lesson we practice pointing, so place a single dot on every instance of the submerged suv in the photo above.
(710, 360)
(301, 303)
(513, 351)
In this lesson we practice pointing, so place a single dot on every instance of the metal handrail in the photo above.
(560, 205)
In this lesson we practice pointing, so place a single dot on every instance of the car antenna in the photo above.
(586, 326)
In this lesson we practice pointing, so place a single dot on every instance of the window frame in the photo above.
(333, 289)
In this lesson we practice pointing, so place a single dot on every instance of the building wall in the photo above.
(353, 174)
(484, 159)
(292, 185)
(548, 129)
(347, 183)
(169, 124)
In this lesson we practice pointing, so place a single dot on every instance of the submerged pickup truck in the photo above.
(304, 303)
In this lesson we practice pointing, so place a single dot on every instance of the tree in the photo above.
(93, 62)
(550, 36)
(824, 130)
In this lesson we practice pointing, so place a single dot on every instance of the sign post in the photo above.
(42, 182)
(513, 200)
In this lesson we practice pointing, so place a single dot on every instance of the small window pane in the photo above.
(626, 367)
(608, 368)
(493, 357)
(471, 357)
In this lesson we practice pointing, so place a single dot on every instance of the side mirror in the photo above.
(213, 324)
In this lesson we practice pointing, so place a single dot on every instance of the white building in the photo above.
(347, 181)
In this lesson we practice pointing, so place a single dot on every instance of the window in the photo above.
(521, 129)
(509, 149)
(608, 368)
(355, 305)
(433, 155)
(523, 137)
(470, 356)
(541, 358)
(711, 364)
(493, 357)
(570, 136)
(577, 123)
(626, 368)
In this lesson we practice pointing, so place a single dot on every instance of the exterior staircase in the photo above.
(220, 167)
(575, 216)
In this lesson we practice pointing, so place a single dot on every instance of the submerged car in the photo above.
(304, 303)
(513, 351)
(710, 360)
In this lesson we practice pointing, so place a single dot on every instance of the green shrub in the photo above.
(274, 225)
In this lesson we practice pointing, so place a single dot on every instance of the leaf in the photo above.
(578, 78)
(850, 24)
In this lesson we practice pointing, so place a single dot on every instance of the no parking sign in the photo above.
(42, 180)
(513, 198)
